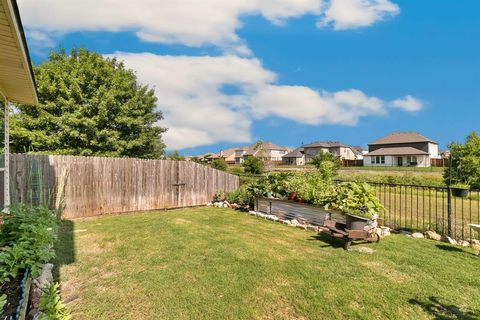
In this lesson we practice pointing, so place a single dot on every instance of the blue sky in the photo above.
(287, 71)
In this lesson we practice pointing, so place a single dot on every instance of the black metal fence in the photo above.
(421, 208)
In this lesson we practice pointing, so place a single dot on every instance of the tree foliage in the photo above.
(465, 167)
(323, 156)
(89, 105)
(253, 165)
(175, 155)
(220, 164)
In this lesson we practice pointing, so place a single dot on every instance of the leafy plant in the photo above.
(253, 165)
(358, 199)
(460, 186)
(220, 164)
(51, 304)
(27, 238)
(465, 166)
(240, 196)
(3, 302)
(323, 156)
(219, 196)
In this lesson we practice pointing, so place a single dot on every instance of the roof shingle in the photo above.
(402, 137)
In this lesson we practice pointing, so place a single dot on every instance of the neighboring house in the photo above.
(295, 157)
(227, 154)
(359, 152)
(341, 150)
(267, 151)
(401, 149)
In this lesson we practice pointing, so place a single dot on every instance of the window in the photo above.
(378, 160)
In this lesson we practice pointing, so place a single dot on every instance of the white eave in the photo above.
(17, 82)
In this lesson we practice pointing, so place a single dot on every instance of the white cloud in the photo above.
(408, 103)
(199, 111)
(192, 22)
(308, 106)
(350, 14)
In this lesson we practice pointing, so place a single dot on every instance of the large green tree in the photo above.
(465, 166)
(89, 105)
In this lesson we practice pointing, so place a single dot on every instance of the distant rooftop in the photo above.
(325, 144)
(297, 153)
(402, 137)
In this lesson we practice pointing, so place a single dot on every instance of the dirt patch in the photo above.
(387, 271)
(181, 221)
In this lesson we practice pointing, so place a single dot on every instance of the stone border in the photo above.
(432, 235)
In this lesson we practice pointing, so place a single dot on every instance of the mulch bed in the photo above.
(13, 290)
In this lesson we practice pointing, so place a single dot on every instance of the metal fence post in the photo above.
(449, 212)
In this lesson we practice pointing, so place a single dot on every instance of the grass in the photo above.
(210, 263)
(396, 168)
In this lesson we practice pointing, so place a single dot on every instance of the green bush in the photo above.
(27, 238)
(253, 165)
(323, 156)
(241, 196)
(220, 164)
(465, 166)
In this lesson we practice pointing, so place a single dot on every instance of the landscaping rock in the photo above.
(432, 235)
(407, 233)
(366, 250)
(253, 213)
(45, 277)
(302, 226)
(450, 240)
(385, 231)
(209, 204)
(287, 222)
(294, 222)
(475, 242)
(464, 243)
(417, 235)
(312, 228)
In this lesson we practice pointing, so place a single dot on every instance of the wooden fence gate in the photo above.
(90, 186)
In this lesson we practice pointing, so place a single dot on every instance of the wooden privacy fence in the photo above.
(90, 186)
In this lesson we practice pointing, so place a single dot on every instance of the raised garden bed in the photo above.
(303, 212)
(17, 291)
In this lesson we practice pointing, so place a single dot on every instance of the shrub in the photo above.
(323, 156)
(241, 196)
(220, 164)
(51, 304)
(465, 166)
(253, 165)
(27, 237)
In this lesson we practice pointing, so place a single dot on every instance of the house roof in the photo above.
(266, 145)
(325, 144)
(17, 82)
(357, 150)
(397, 151)
(297, 153)
(402, 137)
(224, 153)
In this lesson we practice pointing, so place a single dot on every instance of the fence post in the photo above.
(449, 199)
(449, 212)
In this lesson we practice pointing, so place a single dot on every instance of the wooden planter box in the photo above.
(289, 210)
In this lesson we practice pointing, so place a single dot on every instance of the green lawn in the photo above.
(209, 263)
(396, 168)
